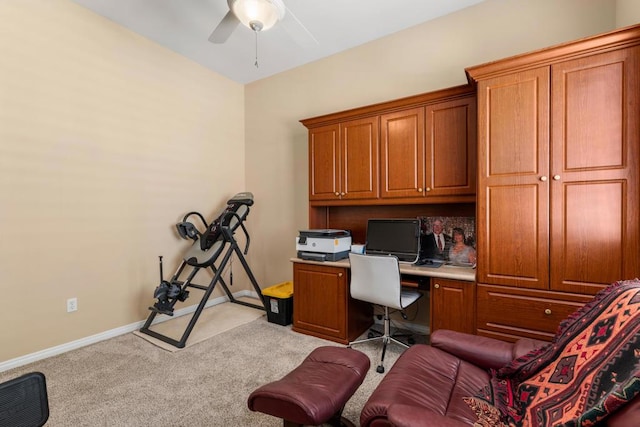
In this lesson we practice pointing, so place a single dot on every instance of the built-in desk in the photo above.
(452, 272)
(323, 307)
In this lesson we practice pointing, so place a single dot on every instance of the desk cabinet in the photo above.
(452, 305)
(322, 305)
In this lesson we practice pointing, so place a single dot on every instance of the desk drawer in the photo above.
(511, 313)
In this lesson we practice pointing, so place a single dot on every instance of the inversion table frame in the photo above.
(203, 254)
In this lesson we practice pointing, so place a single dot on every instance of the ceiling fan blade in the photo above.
(297, 31)
(224, 28)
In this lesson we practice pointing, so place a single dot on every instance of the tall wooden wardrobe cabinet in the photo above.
(558, 181)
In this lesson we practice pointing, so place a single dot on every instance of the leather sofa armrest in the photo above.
(487, 353)
(401, 415)
(525, 345)
(628, 415)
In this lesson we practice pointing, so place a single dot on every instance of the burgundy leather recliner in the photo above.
(426, 385)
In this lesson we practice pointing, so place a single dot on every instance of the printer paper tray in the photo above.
(322, 256)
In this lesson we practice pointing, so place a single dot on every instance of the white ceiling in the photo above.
(184, 26)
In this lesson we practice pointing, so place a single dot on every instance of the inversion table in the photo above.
(203, 254)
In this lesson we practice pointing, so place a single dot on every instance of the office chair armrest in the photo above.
(401, 415)
(483, 352)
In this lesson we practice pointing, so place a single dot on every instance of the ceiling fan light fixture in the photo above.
(259, 15)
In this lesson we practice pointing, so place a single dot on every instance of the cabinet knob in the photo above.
(437, 286)
(556, 177)
(343, 194)
(420, 190)
(547, 311)
(337, 194)
(543, 178)
(339, 274)
(428, 189)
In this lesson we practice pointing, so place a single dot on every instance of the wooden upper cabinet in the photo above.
(429, 151)
(451, 148)
(402, 153)
(415, 150)
(343, 160)
(513, 188)
(359, 159)
(324, 163)
(595, 186)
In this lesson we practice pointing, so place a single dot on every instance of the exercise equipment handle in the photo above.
(184, 219)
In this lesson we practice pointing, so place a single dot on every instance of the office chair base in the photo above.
(386, 341)
(378, 338)
(373, 333)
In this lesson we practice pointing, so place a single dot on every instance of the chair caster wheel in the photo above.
(370, 335)
(411, 341)
(380, 369)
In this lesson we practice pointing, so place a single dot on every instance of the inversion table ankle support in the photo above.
(204, 253)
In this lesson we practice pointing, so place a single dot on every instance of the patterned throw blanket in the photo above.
(589, 370)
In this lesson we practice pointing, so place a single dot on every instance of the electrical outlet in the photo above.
(72, 304)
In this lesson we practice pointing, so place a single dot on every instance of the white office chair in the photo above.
(376, 279)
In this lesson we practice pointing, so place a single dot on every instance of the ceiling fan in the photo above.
(261, 15)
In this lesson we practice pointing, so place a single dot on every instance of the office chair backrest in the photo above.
(376, 279)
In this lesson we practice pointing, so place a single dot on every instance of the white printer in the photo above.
(323, 244)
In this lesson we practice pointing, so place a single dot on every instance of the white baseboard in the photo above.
(82, 342)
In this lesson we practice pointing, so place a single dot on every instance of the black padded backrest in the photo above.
(24, 401)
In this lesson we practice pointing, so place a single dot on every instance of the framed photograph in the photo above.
(449, 239)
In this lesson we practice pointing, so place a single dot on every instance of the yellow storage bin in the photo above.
(279, 303)
(281, 290)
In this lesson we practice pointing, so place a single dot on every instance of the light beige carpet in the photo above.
(212, 321)
(127, 382)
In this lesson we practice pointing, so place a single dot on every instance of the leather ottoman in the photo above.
(316, 391)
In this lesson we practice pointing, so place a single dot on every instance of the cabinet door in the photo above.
(320, 301)
(452, 305)
(359, 159)
(451, 148)
(513, 187)
(595, 234)
(402, 158)
(324, 173)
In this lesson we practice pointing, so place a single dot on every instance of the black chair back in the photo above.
(24, 401)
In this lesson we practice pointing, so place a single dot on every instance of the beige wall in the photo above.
(627, 13)
(106, 140)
